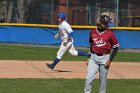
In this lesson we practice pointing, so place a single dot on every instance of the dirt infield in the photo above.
(38, 69)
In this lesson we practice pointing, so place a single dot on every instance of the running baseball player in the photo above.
(65, 32)
(102, 41)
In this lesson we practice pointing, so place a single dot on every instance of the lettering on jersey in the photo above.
(99, 42)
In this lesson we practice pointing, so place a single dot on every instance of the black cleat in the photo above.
(89, 54)
(87, 61)
(50, 66)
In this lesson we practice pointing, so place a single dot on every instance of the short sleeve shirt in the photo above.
(102, 42)
(64, 29)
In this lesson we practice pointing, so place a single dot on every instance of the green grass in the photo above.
(65, 86)
(15, 52)
(127, 57)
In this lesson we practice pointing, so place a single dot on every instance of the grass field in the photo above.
(13, 52)
(64, 86)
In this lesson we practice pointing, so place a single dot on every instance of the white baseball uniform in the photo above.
(65, 33)
(64, 30)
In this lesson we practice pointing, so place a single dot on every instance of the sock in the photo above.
(56, 61)
(81, 53)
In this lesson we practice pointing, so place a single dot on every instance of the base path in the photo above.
(67, 69)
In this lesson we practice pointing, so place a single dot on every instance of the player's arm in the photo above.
(113, 54)
(70, 34)
(57, 34)
(115, 45)
(69, 31)
(90, 41)
(66, 40)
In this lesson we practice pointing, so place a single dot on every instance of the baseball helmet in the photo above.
(105, 18)
(62, 15)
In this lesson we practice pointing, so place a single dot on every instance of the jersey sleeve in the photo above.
(68, 28)
(114, 41)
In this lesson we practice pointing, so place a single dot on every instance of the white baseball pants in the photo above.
(63, 49)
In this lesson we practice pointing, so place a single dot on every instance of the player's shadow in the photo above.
(62, 71)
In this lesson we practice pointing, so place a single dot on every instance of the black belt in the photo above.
(97, 54)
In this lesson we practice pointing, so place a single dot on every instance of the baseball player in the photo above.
(102, 41)
(65, 32)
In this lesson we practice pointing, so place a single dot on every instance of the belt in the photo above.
(98, 54)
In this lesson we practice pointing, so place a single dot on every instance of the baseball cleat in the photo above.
(87, 62)
(89, 54)
(50, 66)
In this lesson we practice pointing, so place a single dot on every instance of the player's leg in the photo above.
(102, 77)
(63, 49)
(60, 53)
(75, 52)
(82, 53)
(91, 74)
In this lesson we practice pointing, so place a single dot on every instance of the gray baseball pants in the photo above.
(96, 63)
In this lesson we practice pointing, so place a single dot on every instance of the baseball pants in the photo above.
(63, 49)
(96, 63)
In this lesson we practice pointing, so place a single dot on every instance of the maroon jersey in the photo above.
(102, 42)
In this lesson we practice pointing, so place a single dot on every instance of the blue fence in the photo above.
(45, 36)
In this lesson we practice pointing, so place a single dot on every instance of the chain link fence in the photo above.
(79, 12)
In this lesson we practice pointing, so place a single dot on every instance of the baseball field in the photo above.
(23, 70)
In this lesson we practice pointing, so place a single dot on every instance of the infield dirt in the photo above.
(65, 69)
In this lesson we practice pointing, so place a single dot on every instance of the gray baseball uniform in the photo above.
(97, 63)
(101, 45)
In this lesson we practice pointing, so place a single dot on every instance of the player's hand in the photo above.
(107, 65)
(65, 43)
(56, 36)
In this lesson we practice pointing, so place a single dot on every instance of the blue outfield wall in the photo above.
(45, 36)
